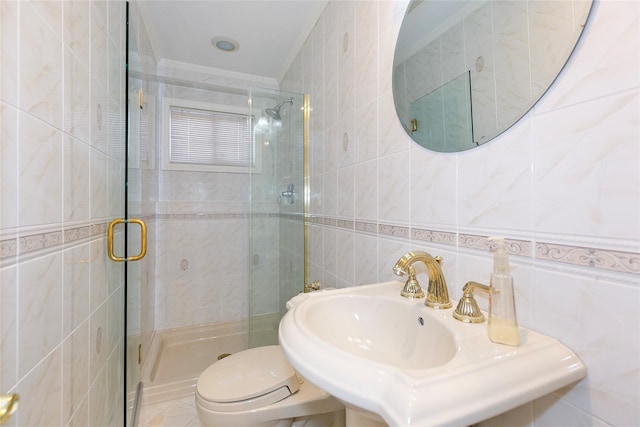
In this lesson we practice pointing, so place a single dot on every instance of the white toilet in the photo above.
(259, 388)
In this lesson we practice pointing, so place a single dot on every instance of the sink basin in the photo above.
(410, 365)
(380, 330)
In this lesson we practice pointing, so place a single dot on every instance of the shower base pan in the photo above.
(178, 356)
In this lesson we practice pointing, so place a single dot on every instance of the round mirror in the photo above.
(465, 71)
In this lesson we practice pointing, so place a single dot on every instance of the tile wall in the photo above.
(62, 170)
(562, 185)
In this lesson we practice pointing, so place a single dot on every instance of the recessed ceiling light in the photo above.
(225, 44)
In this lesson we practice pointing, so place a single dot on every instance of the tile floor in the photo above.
(175, 413)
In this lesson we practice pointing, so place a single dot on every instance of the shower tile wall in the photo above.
(562, 185)
(202, 223)
(62, 169)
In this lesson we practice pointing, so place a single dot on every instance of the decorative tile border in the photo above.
(626, 262)
(33, 242)
(12, 246)
(442, 237)
(394, 231)
(603, 259)
(366, 227)
(8, 248)
(513, 246)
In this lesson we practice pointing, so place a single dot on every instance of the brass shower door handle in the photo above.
(143, 239)
(8, 405)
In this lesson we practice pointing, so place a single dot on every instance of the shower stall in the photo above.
(226, 246)
(277, 191)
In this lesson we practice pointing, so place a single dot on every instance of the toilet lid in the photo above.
(247, 380)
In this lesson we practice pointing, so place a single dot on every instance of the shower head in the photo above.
(274, 112)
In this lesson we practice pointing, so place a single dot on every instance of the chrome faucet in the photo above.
(437, 293)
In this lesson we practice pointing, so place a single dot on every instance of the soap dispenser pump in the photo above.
(503, 326)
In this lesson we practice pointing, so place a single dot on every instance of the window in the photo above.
(207, 137)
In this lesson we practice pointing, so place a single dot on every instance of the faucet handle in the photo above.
(412, 288)
(313, 286)
(467, 310)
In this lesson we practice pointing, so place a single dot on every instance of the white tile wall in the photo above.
(61, 170)
(563, 183)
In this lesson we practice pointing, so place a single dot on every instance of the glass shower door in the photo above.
(140, 208)
(277, 238)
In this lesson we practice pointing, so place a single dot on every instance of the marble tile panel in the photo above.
(347, 142)
(9, 36)
(345, 193)
(98, 400)
(511, 50)
(39, 309)
(115, 327)
(386, 47)
(115, 188)
(43, 386)
(77, 98)
(345, 257)
(366, 73)
(41, 67)
(433, 188)
(330, 249)
(76, 286)
(548, 23)
(366, 23)
(51, 12)
(75, 370)
(99, 113)
(81, 417)
(495, 183)
(99, 184)
(99, 41)
(40, 176)
(330, 193)
(77, 180)
(77, 29)
(394, 191)
(98, 344)
(551, 410)
(586, 180)
(116, 62)
(391, 137)
(116, 22)
(588, 321)
(366, 190)
(330, 64)
(366, 136)
(99, 273)
(366, 259)
(8, 328)
(611, 352)
(8, 166)
(115, 391)
(606, 60)
(453, 52)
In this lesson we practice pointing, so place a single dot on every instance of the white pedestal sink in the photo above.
(390, 357)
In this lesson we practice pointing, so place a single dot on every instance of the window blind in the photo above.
(209, 137)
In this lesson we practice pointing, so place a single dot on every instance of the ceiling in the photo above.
(269, 32)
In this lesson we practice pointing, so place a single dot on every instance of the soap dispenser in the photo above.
(503, 326)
